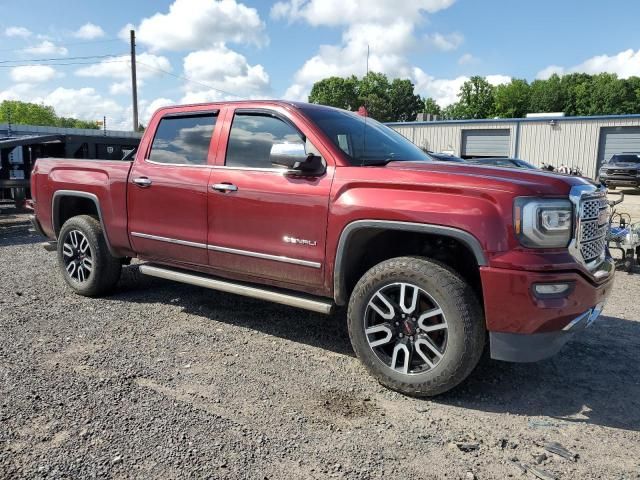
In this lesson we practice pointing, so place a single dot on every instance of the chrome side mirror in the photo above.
(294, 157)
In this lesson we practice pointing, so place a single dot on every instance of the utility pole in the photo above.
(134, 81)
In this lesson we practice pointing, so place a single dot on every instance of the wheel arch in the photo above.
(360, 232)
(70, 203)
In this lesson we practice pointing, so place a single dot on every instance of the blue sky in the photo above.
(206, 50)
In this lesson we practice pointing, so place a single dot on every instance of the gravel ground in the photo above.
(162, 380)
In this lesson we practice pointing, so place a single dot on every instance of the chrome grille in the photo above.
(593, 225)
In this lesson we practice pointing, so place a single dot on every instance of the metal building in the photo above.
(583, 142)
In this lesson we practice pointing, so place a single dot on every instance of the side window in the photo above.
(252, 136)
(183, 140)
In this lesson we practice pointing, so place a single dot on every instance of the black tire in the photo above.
(105, 270)
(466, 332)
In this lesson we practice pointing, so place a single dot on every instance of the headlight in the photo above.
(543, 223)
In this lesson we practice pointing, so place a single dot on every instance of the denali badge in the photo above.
(299, 241)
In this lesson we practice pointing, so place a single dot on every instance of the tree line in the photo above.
(575, 94)
(24, 113)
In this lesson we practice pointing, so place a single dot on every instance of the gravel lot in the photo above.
(162, 380)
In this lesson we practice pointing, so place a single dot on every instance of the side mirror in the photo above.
(293, 156)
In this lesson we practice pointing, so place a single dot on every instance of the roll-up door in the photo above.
(486, 143)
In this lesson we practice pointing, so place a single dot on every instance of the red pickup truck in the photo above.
(316, 207)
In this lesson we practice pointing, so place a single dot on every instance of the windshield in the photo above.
(625, 158)
(364, 143)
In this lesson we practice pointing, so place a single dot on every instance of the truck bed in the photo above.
(104, 179)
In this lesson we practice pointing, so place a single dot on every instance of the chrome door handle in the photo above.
(142, 181)
(224, 187)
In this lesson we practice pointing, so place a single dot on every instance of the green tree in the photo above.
(432, 107)
(608, 95)
(512, 99)
(385, 101)
(455, 111)
(24, 113)
(476, 98)
(547, 95)
(405, 104)
(336, 92)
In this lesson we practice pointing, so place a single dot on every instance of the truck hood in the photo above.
(622, 165)
(515, 180)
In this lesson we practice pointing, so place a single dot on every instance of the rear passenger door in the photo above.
(167, 190)
(263, 223)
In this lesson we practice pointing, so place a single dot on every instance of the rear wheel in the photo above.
(84, 258)
(416, 325)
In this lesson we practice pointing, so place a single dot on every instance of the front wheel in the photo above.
(84, 258)
(416, 325)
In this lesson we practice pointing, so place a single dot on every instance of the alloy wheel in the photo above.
(406, 328)
(77, 256)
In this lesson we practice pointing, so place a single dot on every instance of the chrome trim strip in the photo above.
(576, 321)
(195, 165)
(279, 170)
(265, 256)
(339, 293)
(77, 193)
(320, 306)
(169, 240)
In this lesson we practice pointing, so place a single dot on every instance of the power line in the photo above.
(61, 64)
(26, 49)
(182, 77)
(31, 60)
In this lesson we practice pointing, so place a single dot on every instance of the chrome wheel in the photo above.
(77, 256)
(406, 328)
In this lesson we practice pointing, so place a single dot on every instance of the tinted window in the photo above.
(625, 157)
(365, 142)
(183, 140)
(252, 136)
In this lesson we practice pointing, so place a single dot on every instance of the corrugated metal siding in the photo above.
(447, 137)
(618, 140)
(486, 143)
(568, 142)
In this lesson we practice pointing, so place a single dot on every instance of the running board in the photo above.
(300, 301)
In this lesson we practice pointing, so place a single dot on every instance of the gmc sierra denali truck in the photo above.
(315, 207)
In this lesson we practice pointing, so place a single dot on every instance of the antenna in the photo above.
(366, 114)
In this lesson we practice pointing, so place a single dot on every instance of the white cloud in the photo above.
(19, 91)
(387, 27)
(83, 103)
(149, 109)
(467, 59)
(148, 66)
(625, 64)
(198, 24)
(498, 79)
(89, 31)
(119, 88)
(17, 32)
(340, 12)
(32, 74)
(446, 43)
(46, 47)
(223, 69)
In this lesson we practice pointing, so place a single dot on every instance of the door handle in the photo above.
(224, 187)
(142, 182)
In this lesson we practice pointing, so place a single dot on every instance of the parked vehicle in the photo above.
(623, 236)
(503, 162)
(622, 170)
(314, 207)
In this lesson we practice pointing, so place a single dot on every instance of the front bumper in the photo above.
(621, 181)
(515, 347)
(524, 327)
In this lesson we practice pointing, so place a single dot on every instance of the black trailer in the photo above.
(21, 145)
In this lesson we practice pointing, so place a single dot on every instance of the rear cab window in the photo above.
(183, 139)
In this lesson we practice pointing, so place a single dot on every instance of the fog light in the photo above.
(548, 290)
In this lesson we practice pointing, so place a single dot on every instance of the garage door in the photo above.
(617, 140)
(486, 143)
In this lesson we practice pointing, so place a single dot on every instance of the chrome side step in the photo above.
(300, 301)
